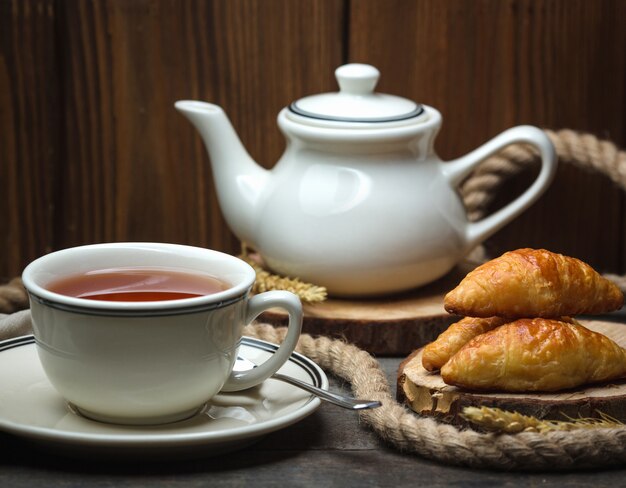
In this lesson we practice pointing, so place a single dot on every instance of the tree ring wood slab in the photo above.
(427, 394)
(391, 325)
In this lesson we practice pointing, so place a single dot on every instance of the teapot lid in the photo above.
(356, 100)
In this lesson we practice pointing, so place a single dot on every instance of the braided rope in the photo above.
(583, 448)
(13, 296)
(580, 149)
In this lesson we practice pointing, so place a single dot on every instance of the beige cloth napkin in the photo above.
(15, 325)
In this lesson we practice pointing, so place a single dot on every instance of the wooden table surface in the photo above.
(329, 448)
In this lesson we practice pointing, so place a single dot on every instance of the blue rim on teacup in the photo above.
(237, 273)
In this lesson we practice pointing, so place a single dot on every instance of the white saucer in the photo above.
(31, 408)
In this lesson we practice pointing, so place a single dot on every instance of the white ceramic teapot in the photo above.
(359, 202)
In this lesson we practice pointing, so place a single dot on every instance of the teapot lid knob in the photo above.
(356, 78)
(356, 101)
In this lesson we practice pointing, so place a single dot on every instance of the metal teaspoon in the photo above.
(243, 364)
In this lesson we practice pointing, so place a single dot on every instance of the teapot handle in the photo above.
(455, 171)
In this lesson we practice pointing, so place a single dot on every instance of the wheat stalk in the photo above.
(502, 421)
(266, 281)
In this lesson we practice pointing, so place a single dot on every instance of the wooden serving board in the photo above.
(427, 394)
(388, 326)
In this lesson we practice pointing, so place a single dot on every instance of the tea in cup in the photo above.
(147, 333)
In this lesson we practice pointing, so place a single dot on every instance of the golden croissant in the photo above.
(533, 283)
(535, 355)
(437, 353)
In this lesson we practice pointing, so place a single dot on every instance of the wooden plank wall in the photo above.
(92, 150)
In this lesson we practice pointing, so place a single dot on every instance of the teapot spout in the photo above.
(239, 180)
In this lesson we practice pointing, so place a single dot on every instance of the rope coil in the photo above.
(575, 449)
(13, 296)
(584, 151)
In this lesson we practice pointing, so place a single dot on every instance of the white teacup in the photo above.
(156, 361)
